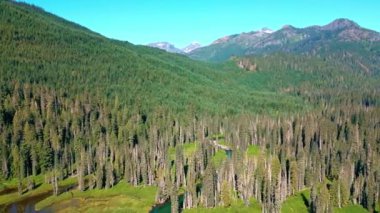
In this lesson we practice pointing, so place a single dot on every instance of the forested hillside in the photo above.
(246, 134)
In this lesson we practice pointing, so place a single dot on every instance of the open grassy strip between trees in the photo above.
(122, 197)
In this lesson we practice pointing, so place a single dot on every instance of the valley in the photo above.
(266, 121)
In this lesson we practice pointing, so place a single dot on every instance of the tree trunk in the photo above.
(80, 170)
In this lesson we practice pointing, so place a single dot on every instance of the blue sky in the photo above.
(184, 21)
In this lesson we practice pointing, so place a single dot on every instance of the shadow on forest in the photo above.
(305, 200)
(26, 190)
(8, 191)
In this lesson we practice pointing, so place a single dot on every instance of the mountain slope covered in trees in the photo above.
(40, 48)
(74, 104)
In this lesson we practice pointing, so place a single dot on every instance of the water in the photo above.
(27, 205)
(167, 206)
(228, 153)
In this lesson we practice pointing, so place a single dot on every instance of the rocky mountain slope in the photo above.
(341, 38)
(191, 47)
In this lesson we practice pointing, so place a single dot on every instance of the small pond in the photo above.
(166, 207)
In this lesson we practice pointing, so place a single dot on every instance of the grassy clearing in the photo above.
(13, 183)
(121, 198)
(188, 150)
(224, 143)
(238, 206)
(253, 150)
(219, 136)
(297, 203)
(42, 188)
(219, 157)
(351, 209)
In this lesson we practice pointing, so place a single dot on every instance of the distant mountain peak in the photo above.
(222, 40)
(245, 35)
(168, 47)
(288, 27)
(194, 45)
(339, 24)
(266, 30)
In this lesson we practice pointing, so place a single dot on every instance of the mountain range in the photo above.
(342, 41)
(342, 36)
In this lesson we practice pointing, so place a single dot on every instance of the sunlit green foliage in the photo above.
(297, 203)
(254, 207)
(122, 197)
(253, 150)
(219, 157)
(351, 209)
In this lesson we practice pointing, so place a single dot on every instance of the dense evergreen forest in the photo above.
(76, 104)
